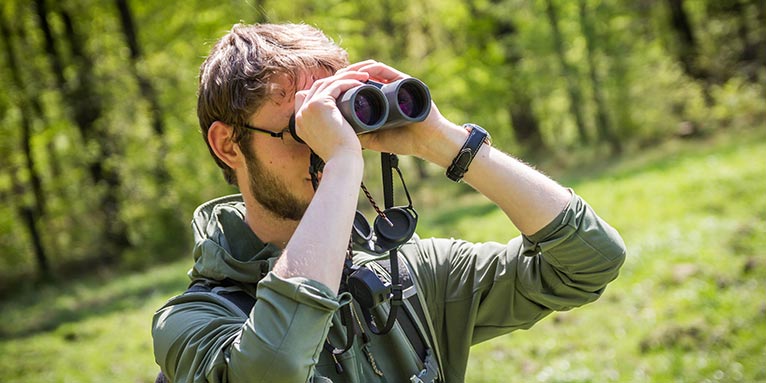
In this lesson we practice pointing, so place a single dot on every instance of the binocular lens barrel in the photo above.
(374, 106)
(414, 100)
(364, 107)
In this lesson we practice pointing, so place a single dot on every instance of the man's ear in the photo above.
(220, 137)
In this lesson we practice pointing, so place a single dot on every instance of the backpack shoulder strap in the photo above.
(412, 318)
(226, 289)
(414, 321)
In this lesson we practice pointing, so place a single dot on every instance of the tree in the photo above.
(85, 104)
(501, 28)
(687, 41)
(603, 124)
(30, 213)
(146, 87)
(576, 100)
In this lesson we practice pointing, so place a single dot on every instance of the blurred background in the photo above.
(653, 110)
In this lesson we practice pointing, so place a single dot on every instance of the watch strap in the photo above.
(476, 137)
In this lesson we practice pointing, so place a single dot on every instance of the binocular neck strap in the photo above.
(389, 161)
(352, 331)
(347, 320)
(396, 299)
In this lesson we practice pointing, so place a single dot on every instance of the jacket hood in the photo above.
(243, 257)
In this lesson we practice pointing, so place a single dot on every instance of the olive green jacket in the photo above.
(471, 291)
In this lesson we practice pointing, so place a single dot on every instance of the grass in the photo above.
(689, 305)
(91, 330)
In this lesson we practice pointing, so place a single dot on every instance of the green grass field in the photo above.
(689, 305)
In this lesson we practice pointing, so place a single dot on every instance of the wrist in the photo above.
(349, 163)
(440, 145)
(477, 137)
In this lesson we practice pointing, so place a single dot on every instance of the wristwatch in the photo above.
(476, 137)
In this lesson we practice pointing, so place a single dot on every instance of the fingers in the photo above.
(378, 71)
(356, 66)
(336, 84)
(382, 72)
(318, 104)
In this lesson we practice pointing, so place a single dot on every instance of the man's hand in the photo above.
(412, 139)
(319, 122)
(530, 199)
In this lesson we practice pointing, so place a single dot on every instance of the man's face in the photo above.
(278, 177)
(273, 191)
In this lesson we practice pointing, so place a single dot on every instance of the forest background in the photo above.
(102, 163)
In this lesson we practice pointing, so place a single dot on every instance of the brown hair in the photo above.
(234, 80)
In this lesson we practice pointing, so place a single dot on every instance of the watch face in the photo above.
(471, 127)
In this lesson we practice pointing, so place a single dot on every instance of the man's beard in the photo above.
(271, 191)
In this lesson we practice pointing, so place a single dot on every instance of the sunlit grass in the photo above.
(91, 330)
(689, 305)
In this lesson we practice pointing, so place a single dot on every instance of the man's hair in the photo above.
(236, 78)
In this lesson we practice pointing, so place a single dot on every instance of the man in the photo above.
(284, 243)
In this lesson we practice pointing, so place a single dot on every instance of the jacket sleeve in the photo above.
(201, 337)
(477, 291)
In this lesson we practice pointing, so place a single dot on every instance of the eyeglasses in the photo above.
(284, 135)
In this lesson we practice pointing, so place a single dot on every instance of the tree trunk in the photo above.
(50, 44)
(56, 63)
(761, 42)
(526, 129)
(148, 91)
(524, 123)
(748, 55)
(30, 214)
(575, 95)
(87, 107)
(687, 41)
(603, 125)
(687, 49)
(31, 221)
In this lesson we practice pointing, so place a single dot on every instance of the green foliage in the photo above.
(481, 59)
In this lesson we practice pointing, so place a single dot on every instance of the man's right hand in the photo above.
(319, 122)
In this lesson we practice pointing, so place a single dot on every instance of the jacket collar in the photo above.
(224, 245)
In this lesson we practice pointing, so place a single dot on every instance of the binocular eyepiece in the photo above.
(373, 105)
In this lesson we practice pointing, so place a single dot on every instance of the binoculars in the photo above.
(374, 106)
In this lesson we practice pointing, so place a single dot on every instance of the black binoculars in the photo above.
(374, 106)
